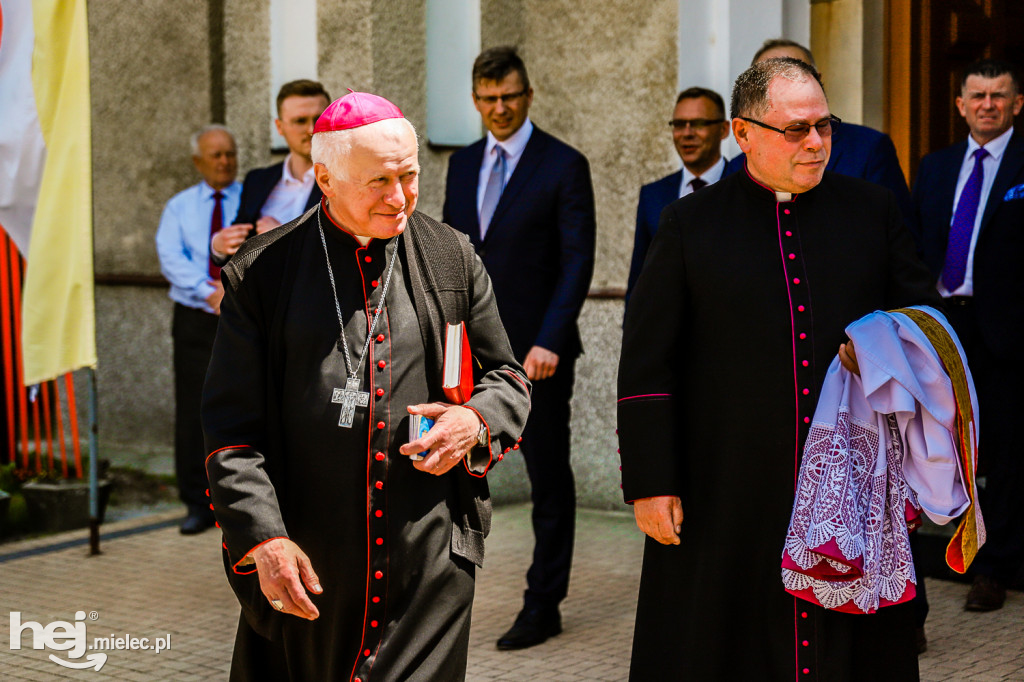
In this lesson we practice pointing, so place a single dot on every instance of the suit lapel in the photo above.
(947, 182)
(527, 166)
(1009, 169)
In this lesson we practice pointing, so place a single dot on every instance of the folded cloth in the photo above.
(899, 439)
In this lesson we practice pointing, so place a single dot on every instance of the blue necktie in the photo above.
(492, 192)
(955, 268)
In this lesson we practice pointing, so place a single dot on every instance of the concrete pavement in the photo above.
(151, 582)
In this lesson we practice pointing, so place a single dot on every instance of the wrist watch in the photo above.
(481, 436)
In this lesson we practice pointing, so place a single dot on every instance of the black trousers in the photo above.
(997, 381)
(192, 331)
(545, 449)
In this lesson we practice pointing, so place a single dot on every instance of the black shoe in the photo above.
(532, 627)
(987, 594)
(196, 523)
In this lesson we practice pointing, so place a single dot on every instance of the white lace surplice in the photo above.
(880, 448)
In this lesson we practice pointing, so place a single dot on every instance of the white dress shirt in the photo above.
(990, 166)
(513, 146)
(710, 176)
(287, 201)
(183, 241)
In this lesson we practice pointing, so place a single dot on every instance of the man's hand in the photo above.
(453, 434)
(540, 363)
(266, 224)
(228, 240)
(660, 517)
(281, 564)
(848, 358)
(214, 299)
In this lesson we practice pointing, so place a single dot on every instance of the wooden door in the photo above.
(930, 43)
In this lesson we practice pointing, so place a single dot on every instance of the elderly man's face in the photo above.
(297, 117)
(773, 160)
(376, 190)
(217, 161)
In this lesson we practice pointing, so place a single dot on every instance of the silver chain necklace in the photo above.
(351, 397)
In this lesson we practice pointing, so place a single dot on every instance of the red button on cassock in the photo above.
(378, 513)
(379, 485)
(788, 233)
(803, 336)
(800, 308)
(786, 211)
(807, 671)
(366, 652)
(805, 642)
(380, 392)
(796, 280)
(368, 259)
(807, 420)
(380, 425)
(792, 256)
(207, 492)
(374, 284)
(378, 575)
(805, 363)
(380, 337)
(376, 600)
(382, 364)
(379, 456)
(803, 614)
(373, 623)
(806, 391)
(380, 541)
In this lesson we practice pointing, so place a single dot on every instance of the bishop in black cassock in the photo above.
(385, 546)
(738, 312)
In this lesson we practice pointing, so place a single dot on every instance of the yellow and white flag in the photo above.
(46, 178)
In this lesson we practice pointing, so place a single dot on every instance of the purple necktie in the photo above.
(492, 191)
(697, 184)
(960, 231)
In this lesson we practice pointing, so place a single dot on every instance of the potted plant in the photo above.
(56, 503)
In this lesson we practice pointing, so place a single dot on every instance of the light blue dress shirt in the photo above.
(183, 241)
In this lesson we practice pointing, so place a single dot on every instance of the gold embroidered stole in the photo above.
(964, 546)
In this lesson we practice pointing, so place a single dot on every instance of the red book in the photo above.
(458, 364)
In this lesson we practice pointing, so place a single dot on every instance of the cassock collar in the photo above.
(762, 192)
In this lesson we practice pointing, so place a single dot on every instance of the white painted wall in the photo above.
(293, 51)
(453, 42)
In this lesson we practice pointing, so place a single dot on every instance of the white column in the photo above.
(717, 39)
(293, 51)
(453, 42)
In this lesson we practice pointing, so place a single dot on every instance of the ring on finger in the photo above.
(277, 604)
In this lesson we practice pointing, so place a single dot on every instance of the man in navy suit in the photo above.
(526, 201)
(857, 151)
(969, 200)
(279, 193)
(698, 128)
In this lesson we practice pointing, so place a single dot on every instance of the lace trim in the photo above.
(848, 547)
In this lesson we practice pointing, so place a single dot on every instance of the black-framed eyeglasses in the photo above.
(694, 123)
(505, 99)
(798, 131)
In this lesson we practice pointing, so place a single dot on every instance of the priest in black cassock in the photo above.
(353, 560)
(737, 314)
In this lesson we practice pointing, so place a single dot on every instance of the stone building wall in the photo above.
(604, 82)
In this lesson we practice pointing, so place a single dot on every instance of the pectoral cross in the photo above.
(350, 397)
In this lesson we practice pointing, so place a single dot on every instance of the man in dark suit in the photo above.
(277, 194)
(526, 201)
(857, 151)
(969, 200)
(698, 128)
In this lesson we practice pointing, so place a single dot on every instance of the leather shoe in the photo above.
(532, 627)
(195, 523)
(986, 594)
